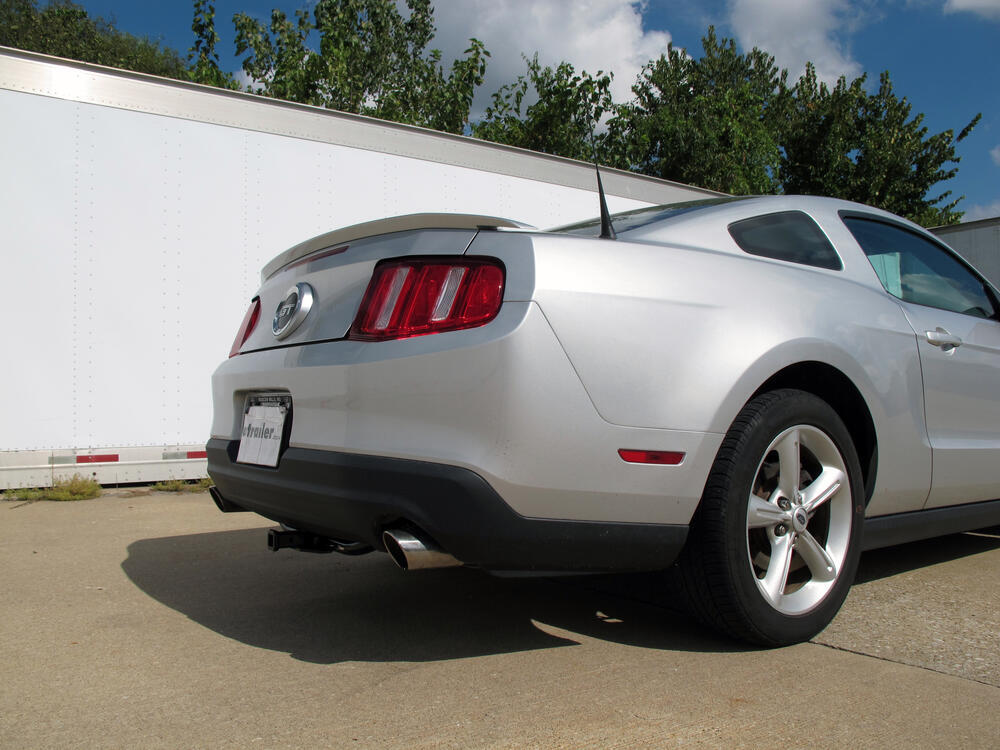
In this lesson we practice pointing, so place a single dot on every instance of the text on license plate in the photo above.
(263, 427)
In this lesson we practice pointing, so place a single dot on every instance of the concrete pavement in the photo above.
(156, 621)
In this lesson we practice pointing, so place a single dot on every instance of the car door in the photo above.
(954, 315)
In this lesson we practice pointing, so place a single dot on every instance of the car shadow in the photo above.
(332, 608)
(890, 561)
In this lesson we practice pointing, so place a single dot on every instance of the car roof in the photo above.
(660, 223)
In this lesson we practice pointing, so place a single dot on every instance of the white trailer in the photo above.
(136, 213)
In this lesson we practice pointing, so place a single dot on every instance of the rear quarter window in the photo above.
(791, 236)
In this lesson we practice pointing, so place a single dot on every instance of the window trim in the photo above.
(988, 288)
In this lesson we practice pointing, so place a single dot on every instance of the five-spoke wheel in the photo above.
(799, 519)
(774, 546)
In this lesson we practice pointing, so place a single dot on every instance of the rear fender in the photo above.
(893, 394)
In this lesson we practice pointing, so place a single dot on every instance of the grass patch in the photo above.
(182, 485)
(74, 488)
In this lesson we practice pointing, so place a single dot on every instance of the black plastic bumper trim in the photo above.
(351, 496)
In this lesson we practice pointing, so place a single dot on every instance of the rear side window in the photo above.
(789, 235)
(917, 270)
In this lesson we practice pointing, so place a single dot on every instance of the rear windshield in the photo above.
(640, 217)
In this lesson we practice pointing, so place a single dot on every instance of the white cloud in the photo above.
(989, 211)
(592, 35)
(985, 8)
(246, 81)
(995, 155)
(797, 32)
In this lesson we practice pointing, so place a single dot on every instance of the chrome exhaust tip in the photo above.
(410, 552)
(222, 504)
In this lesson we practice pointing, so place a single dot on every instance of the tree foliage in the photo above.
(732, 122)
(64, 29)
(371, 60)
(202, 57)
(562, 118)
(709, 121)
(868, 148)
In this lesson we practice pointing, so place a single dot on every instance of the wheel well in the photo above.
(834, 387)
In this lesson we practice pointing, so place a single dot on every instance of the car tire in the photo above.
(773, 548)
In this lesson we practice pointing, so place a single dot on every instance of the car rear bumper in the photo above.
(502, 401)
(355, 497)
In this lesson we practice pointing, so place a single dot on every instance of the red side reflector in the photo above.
(106, 458)
(246, 327)
(662, 458)
(197, 454)
(415, 297)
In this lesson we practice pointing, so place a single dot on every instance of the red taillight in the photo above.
(246, 327)
(416, 297)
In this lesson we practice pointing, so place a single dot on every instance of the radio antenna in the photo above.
(607, 228)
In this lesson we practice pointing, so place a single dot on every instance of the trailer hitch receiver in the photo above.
(305, 542)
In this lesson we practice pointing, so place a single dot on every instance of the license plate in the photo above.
(263, 429)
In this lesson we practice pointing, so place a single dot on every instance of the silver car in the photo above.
(749, 390)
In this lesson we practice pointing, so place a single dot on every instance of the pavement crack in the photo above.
(904, 663)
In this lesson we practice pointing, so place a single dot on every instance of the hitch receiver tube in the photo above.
(306, 542)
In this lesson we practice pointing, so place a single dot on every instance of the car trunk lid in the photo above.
(338, 266)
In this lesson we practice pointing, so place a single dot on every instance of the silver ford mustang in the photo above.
(750, 390)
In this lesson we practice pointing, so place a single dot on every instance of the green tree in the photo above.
(370, 61)
(709, 121)
(562, 119)
(731, 122)
(64, 29)
(820, 132)
(202, 57)
(868, 148)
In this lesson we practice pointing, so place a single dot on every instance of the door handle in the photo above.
(941, 337)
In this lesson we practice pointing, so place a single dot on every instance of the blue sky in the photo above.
(943, 55)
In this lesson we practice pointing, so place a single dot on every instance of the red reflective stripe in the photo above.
(104, 458)
(662, 458)
(197, 454)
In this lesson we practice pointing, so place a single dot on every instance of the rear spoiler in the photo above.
(387, 226)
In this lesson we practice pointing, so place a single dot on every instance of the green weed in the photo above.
(75, 488)
(182, 485)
